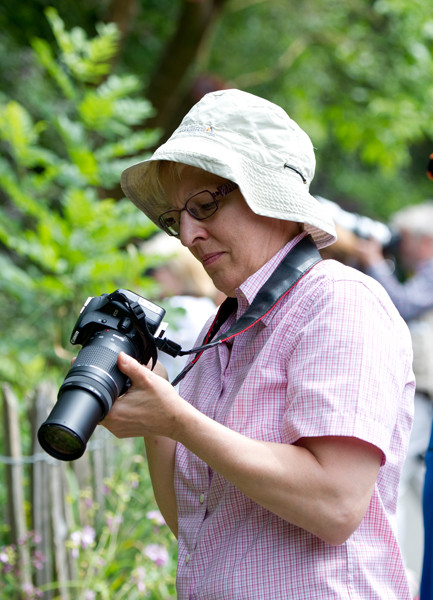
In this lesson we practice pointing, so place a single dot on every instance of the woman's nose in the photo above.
(191, 229)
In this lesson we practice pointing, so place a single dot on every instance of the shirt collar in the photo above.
(247, 291)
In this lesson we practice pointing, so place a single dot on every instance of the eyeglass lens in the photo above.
(201, 206)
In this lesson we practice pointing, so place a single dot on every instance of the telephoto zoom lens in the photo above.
(87, 394)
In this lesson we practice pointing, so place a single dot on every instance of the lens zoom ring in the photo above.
(102, 358)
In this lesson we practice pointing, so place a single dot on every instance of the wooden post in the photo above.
(15, 479)
(42, 472)
(82, 469)
(60, 528)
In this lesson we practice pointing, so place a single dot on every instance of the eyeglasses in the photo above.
(201, 206)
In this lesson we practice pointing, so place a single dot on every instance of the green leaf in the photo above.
(88, 60)
(63, 240)
(47, 60)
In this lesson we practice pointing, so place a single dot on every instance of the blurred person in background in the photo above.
(427, 569)
(277, 463)
(413, 298)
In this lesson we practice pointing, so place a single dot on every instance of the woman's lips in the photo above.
(209, 259)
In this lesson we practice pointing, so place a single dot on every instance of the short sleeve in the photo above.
(351, 363)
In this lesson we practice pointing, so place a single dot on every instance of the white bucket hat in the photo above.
(252, 142)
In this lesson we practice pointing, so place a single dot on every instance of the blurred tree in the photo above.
(62, 237)
(170, 87)
(355, 74)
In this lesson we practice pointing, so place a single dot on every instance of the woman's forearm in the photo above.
(323, 485)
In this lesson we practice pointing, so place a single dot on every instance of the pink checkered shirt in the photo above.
(332, 359)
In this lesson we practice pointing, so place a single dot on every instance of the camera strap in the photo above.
(298, 262)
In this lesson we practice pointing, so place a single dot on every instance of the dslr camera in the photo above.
(107, 325)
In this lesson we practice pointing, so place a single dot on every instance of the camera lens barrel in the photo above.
(65, 433)
(87, 394)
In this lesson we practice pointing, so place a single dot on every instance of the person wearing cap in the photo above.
(414, 300)
(277, 463)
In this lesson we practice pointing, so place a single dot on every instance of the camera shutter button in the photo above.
(125, 325)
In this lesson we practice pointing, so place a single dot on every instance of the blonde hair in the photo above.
(154, 180)
(154, 186)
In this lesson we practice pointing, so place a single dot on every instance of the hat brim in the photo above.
(276, 193)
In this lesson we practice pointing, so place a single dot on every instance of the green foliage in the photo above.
(10, 586)
(119, 546)
(125, 551)
(62, 236)
(154, 23)
(87, 60)
(357, 75)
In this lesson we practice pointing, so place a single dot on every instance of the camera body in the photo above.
(107, 325)
(127, 314)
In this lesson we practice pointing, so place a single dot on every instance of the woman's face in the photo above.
(233, 243)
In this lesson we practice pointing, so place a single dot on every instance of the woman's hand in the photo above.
(150, 405)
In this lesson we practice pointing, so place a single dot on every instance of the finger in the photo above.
(132, 368)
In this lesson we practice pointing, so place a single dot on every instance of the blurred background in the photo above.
(88, 88)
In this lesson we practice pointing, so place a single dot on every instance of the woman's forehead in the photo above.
(182, 181)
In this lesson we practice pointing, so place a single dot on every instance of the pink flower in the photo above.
(31, 592)
(113, 522)
(37, 538)
(88, 536)
(82, 539)
(140, 577)
(38, 560)
(157, 553)
(156, 516)
(8, 558)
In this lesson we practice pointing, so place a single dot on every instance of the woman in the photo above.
(277, 464)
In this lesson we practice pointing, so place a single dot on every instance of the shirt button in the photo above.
(187, 558)
(201, 498)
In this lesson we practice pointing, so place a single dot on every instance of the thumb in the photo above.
(130, 367)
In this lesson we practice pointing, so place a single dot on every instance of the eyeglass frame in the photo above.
(222, 190)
